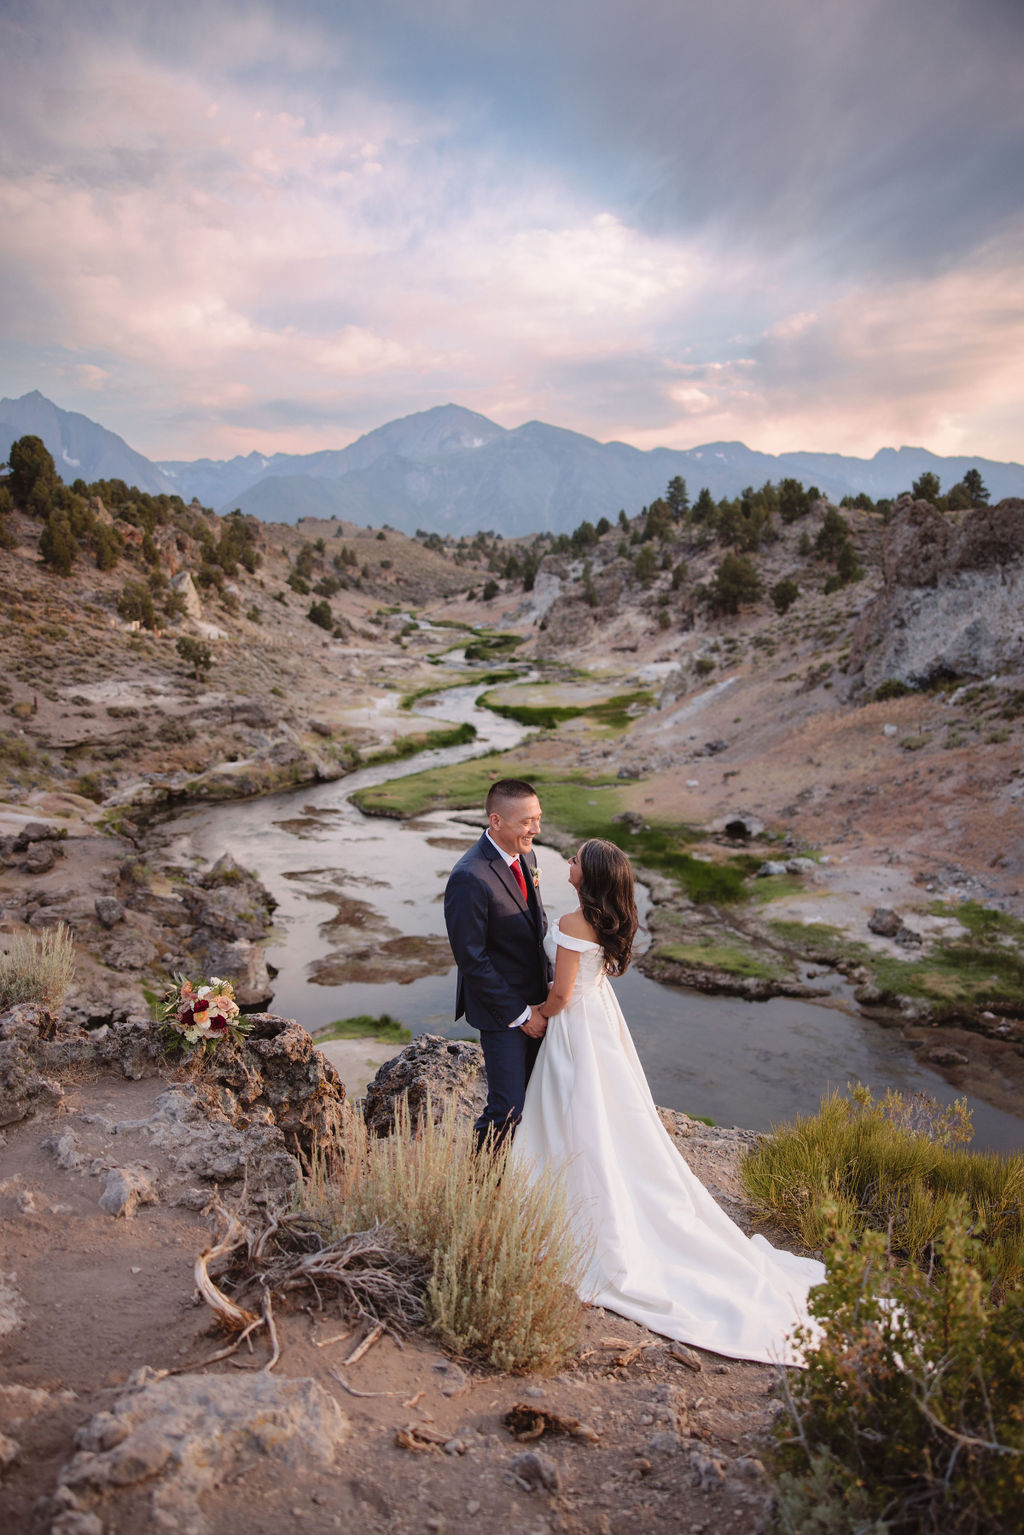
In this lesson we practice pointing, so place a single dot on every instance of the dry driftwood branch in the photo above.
(416, 1436)
(268, 1317)
(527, 1422)
(230, 1315)
(338, 1337)
(364, 1347)
(374, 1278)
(224, 1353)
(352, 1390)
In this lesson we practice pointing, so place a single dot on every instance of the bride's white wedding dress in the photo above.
(665, 1254)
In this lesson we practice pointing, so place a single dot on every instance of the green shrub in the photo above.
(57, 545)
(38, 969)
(895, 1165)
(426, 740)
(196, 655)
(89, 787)
(783, 594)
(892, 687)
(504, 1264)
(135, 604)
(907, 1419)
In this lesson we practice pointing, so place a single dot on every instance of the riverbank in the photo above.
(711, 752)
(125, 965)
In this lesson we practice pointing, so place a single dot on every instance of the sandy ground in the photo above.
(87, 1299)
(356, 1060)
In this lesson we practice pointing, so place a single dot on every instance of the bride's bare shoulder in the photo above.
(575, 925)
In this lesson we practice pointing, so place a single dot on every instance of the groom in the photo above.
(496, 926)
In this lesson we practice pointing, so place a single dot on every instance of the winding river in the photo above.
(381, 883)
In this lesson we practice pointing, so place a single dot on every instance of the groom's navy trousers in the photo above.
(497, 937)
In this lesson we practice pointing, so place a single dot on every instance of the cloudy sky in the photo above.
(797, 223)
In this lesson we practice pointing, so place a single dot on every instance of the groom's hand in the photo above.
(535, 1024)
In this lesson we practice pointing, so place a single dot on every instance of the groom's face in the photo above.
(515, 825)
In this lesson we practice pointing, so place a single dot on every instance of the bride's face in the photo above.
(575, 872)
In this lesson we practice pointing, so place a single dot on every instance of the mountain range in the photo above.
(450, 470)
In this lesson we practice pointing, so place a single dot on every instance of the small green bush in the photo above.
(135, 604)
(38, 969)
(783, 594)
(196, 655)
(892, 687)
(89, 787)
(907, 1419)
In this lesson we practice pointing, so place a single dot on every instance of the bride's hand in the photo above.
(535, 1024)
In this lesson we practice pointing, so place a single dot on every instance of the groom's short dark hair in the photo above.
(508, 789)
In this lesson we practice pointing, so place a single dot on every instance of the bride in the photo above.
(664, 1253)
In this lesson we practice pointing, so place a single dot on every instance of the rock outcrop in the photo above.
(951, 600)
(431, 1069)
(276, 1084)
(27, 1079)
(176, 1437)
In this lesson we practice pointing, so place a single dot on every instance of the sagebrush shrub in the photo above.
(505, 1264)
(38, 968)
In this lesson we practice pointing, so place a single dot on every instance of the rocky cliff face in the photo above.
(951, 600)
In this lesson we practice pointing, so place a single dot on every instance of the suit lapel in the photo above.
(506, 876)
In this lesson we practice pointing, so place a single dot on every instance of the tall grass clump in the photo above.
(909, 1417)
(38, 968)
(894, 1165)
(505, 1265)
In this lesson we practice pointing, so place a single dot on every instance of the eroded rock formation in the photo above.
(951, 601)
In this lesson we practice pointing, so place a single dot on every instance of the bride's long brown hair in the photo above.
(608, 900)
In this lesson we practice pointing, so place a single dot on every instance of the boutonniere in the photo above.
(535, 871)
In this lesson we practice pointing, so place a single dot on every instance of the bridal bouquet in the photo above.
(201, 1014)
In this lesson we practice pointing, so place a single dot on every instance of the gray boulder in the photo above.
(34, 831)
(884, 922)
(442, 1070)
(109, 910)
(124, 1190)
(39, 859)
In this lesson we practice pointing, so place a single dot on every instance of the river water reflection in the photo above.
(754, 1064)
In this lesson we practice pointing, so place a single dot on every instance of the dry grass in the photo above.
(38, 969)
(505, 1266)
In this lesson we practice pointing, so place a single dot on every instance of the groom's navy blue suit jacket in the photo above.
(497, 937)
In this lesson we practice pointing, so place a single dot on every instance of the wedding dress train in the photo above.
(665, 1254)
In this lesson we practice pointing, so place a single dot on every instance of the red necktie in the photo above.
(520, 881)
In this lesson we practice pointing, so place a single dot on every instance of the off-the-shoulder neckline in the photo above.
(571, 937)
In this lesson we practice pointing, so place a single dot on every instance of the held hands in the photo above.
(535, 1024)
